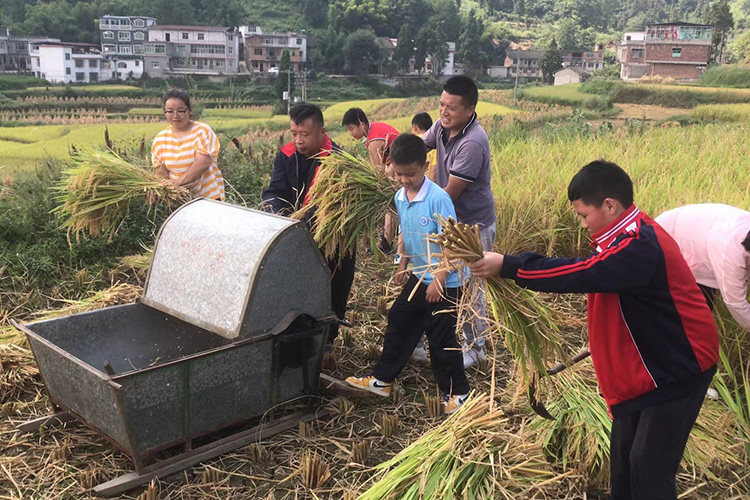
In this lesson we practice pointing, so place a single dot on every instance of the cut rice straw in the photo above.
(96, 191)
(528, 326)
(471, 455)
(349, 199)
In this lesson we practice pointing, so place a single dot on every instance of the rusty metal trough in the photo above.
(233, 321)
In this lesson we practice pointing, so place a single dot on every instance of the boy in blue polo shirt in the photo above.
(417, 202)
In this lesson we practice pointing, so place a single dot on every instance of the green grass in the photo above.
(565, 95)
(259, 112)
(678, 96)
(727, 75)
(722, 112)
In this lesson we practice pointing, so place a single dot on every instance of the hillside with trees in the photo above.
(344, 30)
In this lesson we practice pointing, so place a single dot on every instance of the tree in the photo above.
(472, 51)
(361, 51)
(351, 15)
(431, 42)
(285, 80)
(314, 12)
(174, 11)
(720, 17)
(568, 34)
(446, 19)
(550, 63)
(740, 48)
(327, 50)
(224, 13)
(404, 48)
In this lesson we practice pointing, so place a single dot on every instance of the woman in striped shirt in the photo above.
(185, 153)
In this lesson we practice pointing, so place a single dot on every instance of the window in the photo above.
(138, 23)
(67, 56)
(167, 37)
(255, 64)
(231, 38)
(138, 35)
(138, 49)
(93, 77)
(230, 50)
(108, 35)
(301, 55)
(79, 63)
(231, 64)
(219, 64)
(154, 48)
(201, 36)
(123, 36)
(80, 77)
(636, 53)
(299, 41)
(676, 51)
(67, 71)
(206, 49)
(109, 48)
(126, 49)
(93, 63)
(137, 63)
(182, 49)
(154, 64)
(122, 65)
(258, 52)
(185, 36)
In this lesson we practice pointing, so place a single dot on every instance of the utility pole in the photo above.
(289, 91)
(515, 86)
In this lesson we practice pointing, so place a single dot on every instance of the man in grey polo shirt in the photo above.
(463, 170)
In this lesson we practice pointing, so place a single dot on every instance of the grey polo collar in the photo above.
(472, 120)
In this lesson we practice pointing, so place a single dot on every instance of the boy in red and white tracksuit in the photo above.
(652, 337)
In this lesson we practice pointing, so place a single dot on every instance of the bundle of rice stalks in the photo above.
(119, 293)
(579, 437)
(528, 326)
(471, 455)
(349, 198)
(96, 191)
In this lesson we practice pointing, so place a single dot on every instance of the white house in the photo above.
(66, 62)
(122, 39)
(191, 50)
(571, 74)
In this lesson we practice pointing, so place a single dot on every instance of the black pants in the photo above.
(647, 447)
(709, 294)
(342, 277)
(407, 320)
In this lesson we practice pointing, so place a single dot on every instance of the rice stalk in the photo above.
(348, 199)
(314, 470)
(528, 326)
(119, 293)
(361, 452)
(472, 455)
(97, 189)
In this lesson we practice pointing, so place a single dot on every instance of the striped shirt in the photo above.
(179, 154)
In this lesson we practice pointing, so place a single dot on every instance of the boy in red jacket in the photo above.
(652, 338)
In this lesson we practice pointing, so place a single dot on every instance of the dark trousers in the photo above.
(710, 295)
(342, 277)
(407, 320)
(647, 447)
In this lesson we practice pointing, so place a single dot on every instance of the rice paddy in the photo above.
(506, 452)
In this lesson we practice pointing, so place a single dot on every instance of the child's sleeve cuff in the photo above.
(511, 263)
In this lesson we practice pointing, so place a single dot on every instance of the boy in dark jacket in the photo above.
(652, 338)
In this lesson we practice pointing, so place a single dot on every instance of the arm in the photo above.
(434, 293)
(196, 170)
(376, 151)
(466, 167)
(402, 275)
(429, 136)
(733, 290)
(278, 197)
(455, 187)
(628, 266)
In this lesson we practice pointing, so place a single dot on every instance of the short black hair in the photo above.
(463, 86)
(176, 94)
(746, 242)
(354, 116)
(600, 180)
(407, 149)
(304, 111)
(422, 120)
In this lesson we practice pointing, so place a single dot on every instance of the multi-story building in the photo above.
(14, 51)
(527, 62)
(191, 50)
(263, 51)
(122, 39)
(630, 54)
(589, 60)
(677, 50)
(66, 62)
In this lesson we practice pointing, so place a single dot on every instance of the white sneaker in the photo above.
(419, 354)
(712, 394)
(472, 356)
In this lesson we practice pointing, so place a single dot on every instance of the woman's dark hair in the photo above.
(600, 180)
(354, 116)
(304, 111)
(463, 86)
(422, 120)
(407, 149)
(176, 94)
